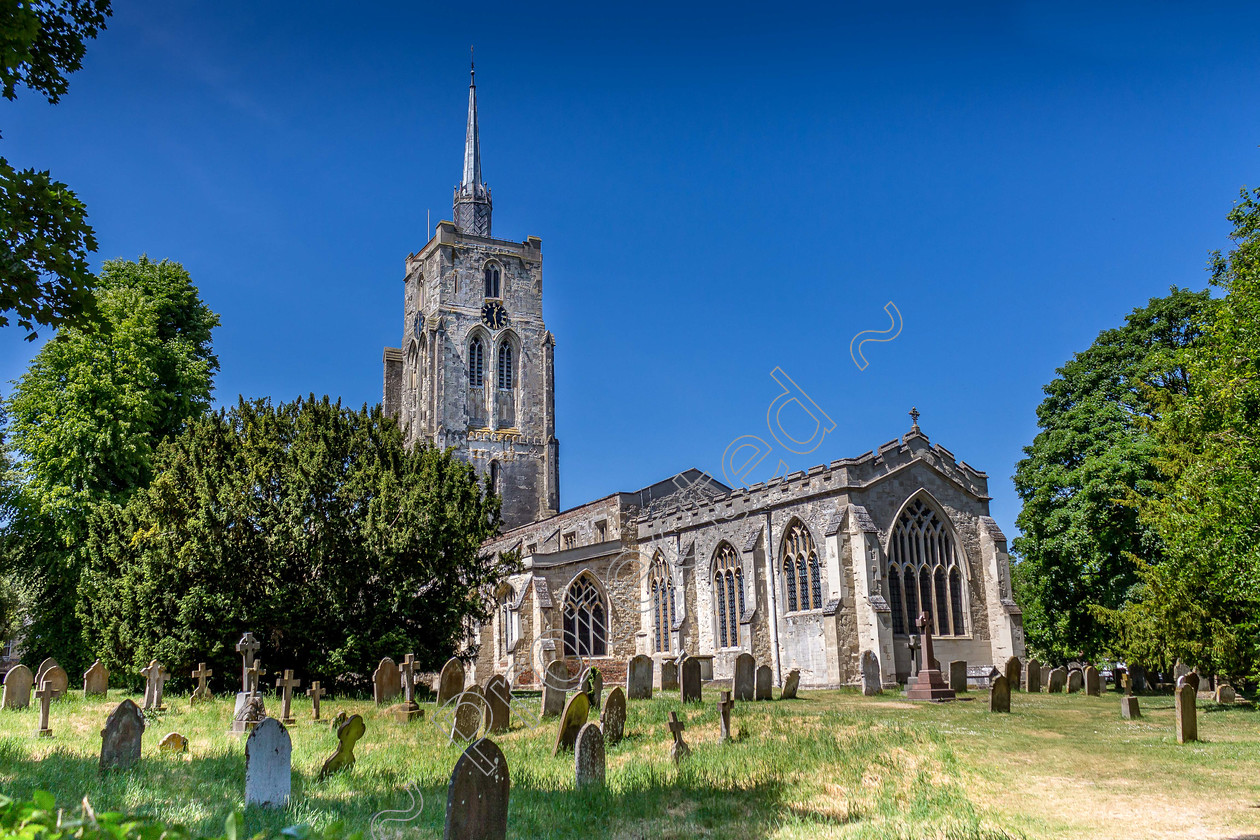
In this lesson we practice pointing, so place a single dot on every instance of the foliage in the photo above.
(1202, 604)
(1079, 528)
(85, 419)
(44, 274)
(312, 526)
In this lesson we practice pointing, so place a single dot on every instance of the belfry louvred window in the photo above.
(802, 572)
(476, 364)
(585, 620)
(505, 366)
(728, 591)
(491, 274)
(924, 574)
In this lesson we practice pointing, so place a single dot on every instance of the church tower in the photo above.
(476, 368)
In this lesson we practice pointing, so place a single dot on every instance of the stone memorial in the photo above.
(679, 750)
(45, 696)
(316, 693)
(690, 691)
(613, 719)
(791, 684)
(386, 682)
(155, 676)
(1187, 717)
(724, 715)
(17, 688)
(251, 713)
(1180, 670)
(268, 765)
(253, 678)
(1137, 678)
(1045, 676)
(872, 680)
(1225, 694)
(1129, 707)
(588, 756)
(173, 743)
(285, 686)
(669, 675)
(1032, 677)
(1192, 680)
(958, 675)
(1093, 683)
(96, 680)
(53, 674)
(745, 677)
(1013, 672)
(639, 678)
(928, 684)
(201, 694)
(120, 739)
(1000, 694)
(555, 684)
(477, 798)
(470, 714)
(1075, 680)
(592, 684)
(1057, 681)
(348, 734)
(339, 720)
(498, 696)
(451, 681)
(575, 714)
(765, 681)
(247, 647)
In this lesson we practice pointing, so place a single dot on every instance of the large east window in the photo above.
(924, 575)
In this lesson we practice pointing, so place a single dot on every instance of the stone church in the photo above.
(805, 572)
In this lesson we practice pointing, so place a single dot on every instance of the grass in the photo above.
(832, 764)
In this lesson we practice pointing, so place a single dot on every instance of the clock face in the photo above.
(493, 315)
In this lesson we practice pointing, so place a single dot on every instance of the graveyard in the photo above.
(826, 764)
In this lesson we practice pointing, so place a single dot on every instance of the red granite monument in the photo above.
(928, 684)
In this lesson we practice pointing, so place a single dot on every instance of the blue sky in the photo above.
(720, 190)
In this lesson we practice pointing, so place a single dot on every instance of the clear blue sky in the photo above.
(719, 190)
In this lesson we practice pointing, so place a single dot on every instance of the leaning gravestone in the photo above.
(639, 678)
(791, 684)
(1093, 685)
(574, 718)
(173, 743)
(1187, 718)
(765, 682)
(614, 717)
(386, 682)
(724, 716)
(268, 765)
(1013, 672)
(871, 678)
(252, 713)
(477, 799)
(470, 713)
(1225, 694)
(958, 675)
(745, 677)
(1000, 695)
(1075, 681)
(17, 688)
(669, 675)
(588, 756)
(691, 685)
(1129, 707)
(498, 696)
(1057, 681)
(1192, 680)
(555, 684)
(1032, 678)
(348, 734)
(451, 682)
(120, 739)
(592, 684)
(96, 680)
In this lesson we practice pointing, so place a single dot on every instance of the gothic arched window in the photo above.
(662, 585)
(728, 587)
(506, 379)
(494, 478)
(923, 573)
(491, 274)
(476, 364)
(506, 634)
(585, 619)
(802, 571)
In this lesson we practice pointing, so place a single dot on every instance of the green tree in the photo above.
(1079, 527)
(86, 418)
(308, 524)
(44, 235)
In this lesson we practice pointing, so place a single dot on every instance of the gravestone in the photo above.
(745, 677)
(253, 678)
(201, 693)
(1225, 694)
(477, 799)
(1137, 678)
(470, 714)
(348, 734)
(17, 688)
(1032, 677)
(451, 682)
(285, 685)
(386, 682)
(791, 684)
(1191, 679)
(724, 715)
(1180, 670)
(639, 678)
(588, 756)
(575, 714)
(592, 684)
(928, 684)
(614, 716)
(679, 750)
(958, 675)
(1045, 676)
(1013, 673)
(1187, 717)
(1129, 707)
(339, 720)
(669, 675)
(1057, 681)
(268, 765)
(764, 686)
(1075, 681)
(498, 696)
(691, 685)
(49, 662)
(315, 692)
(1000, 694)
(872, 681)
(173, 743)
(247, 647)
(120, 739)
(96, 680)
(1093, 685)
(45, 696)
(53, 674)
(408, 710)
(252, 713)
(155, 677)
(555, 684)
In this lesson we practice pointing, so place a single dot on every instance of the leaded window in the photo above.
(506, 378)
(585, 620)
(662, 585)
(476, 364)
(924, 574)
(802, 571)
(728, 587)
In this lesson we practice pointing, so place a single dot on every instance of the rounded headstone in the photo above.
(588, 756)
(498, 696)
(17, 688)
(745, 682)
(614, 716)
(639, 678)
(120, 739)
(451, 681)
(573, 719)
(477, 798)
(268, 765)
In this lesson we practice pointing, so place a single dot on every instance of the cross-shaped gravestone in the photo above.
(200, 675)
(155, 676)
(247, 647)
(724, 714)
(914, 655)
(680, 750)
(408, 671)
(286, 685)
(924, 622)
(253, 677)
(45, 694)
(315, 692)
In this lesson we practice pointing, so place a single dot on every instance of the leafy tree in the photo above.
(1079, 527)
(44, 235)
(85, 420)
(308, 524)
(1201, 603)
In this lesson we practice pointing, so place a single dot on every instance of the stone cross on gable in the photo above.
(45, 694)
(286, 684)
(315, 692)
(408, 670)
(914, 419)
(253, 677)
(247, 647)
(925, 622)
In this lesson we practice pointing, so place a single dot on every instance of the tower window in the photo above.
(506, 380)
(494, 478)
(491, 274)
(476, 364)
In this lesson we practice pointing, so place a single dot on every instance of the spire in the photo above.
(472, 197)
(472, 144)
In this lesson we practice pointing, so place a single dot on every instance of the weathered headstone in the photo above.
(1093, 683)
(725, 705)
(251, 713)
(48, 662)
(96, 680)
(253, 678)
(155, 676)
(201, 693)
(1191, 679)
(247, 647)
(1137, 678)
(45, 696)
(348, 734)
(339, 720)
(872, 680)
(268, 765)
(1045, 676)
(477, 799)
(575, 714)
(691, 685)
(1032, 678)
(1057, 681)
(958, 675)
(407, 673)
(1225, 694)
(765, 682)
(679, 750)
(614, 716)
(639, 678)
(1075, 681)
(470, 714)
(1000, 695)
(1187, 717)
(173, 743)
(53, 674)
(120, 739)
(17, 688)
(592, 685)
(555, 684)
(386, 682)
(498, 704)
(588, 756)
(285, 685)
(1129, 707)
(316, 693)
(745, 677)
(451, 682)
(1013, 673)
(791, 684)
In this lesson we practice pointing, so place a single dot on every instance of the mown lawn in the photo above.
(831, 764)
